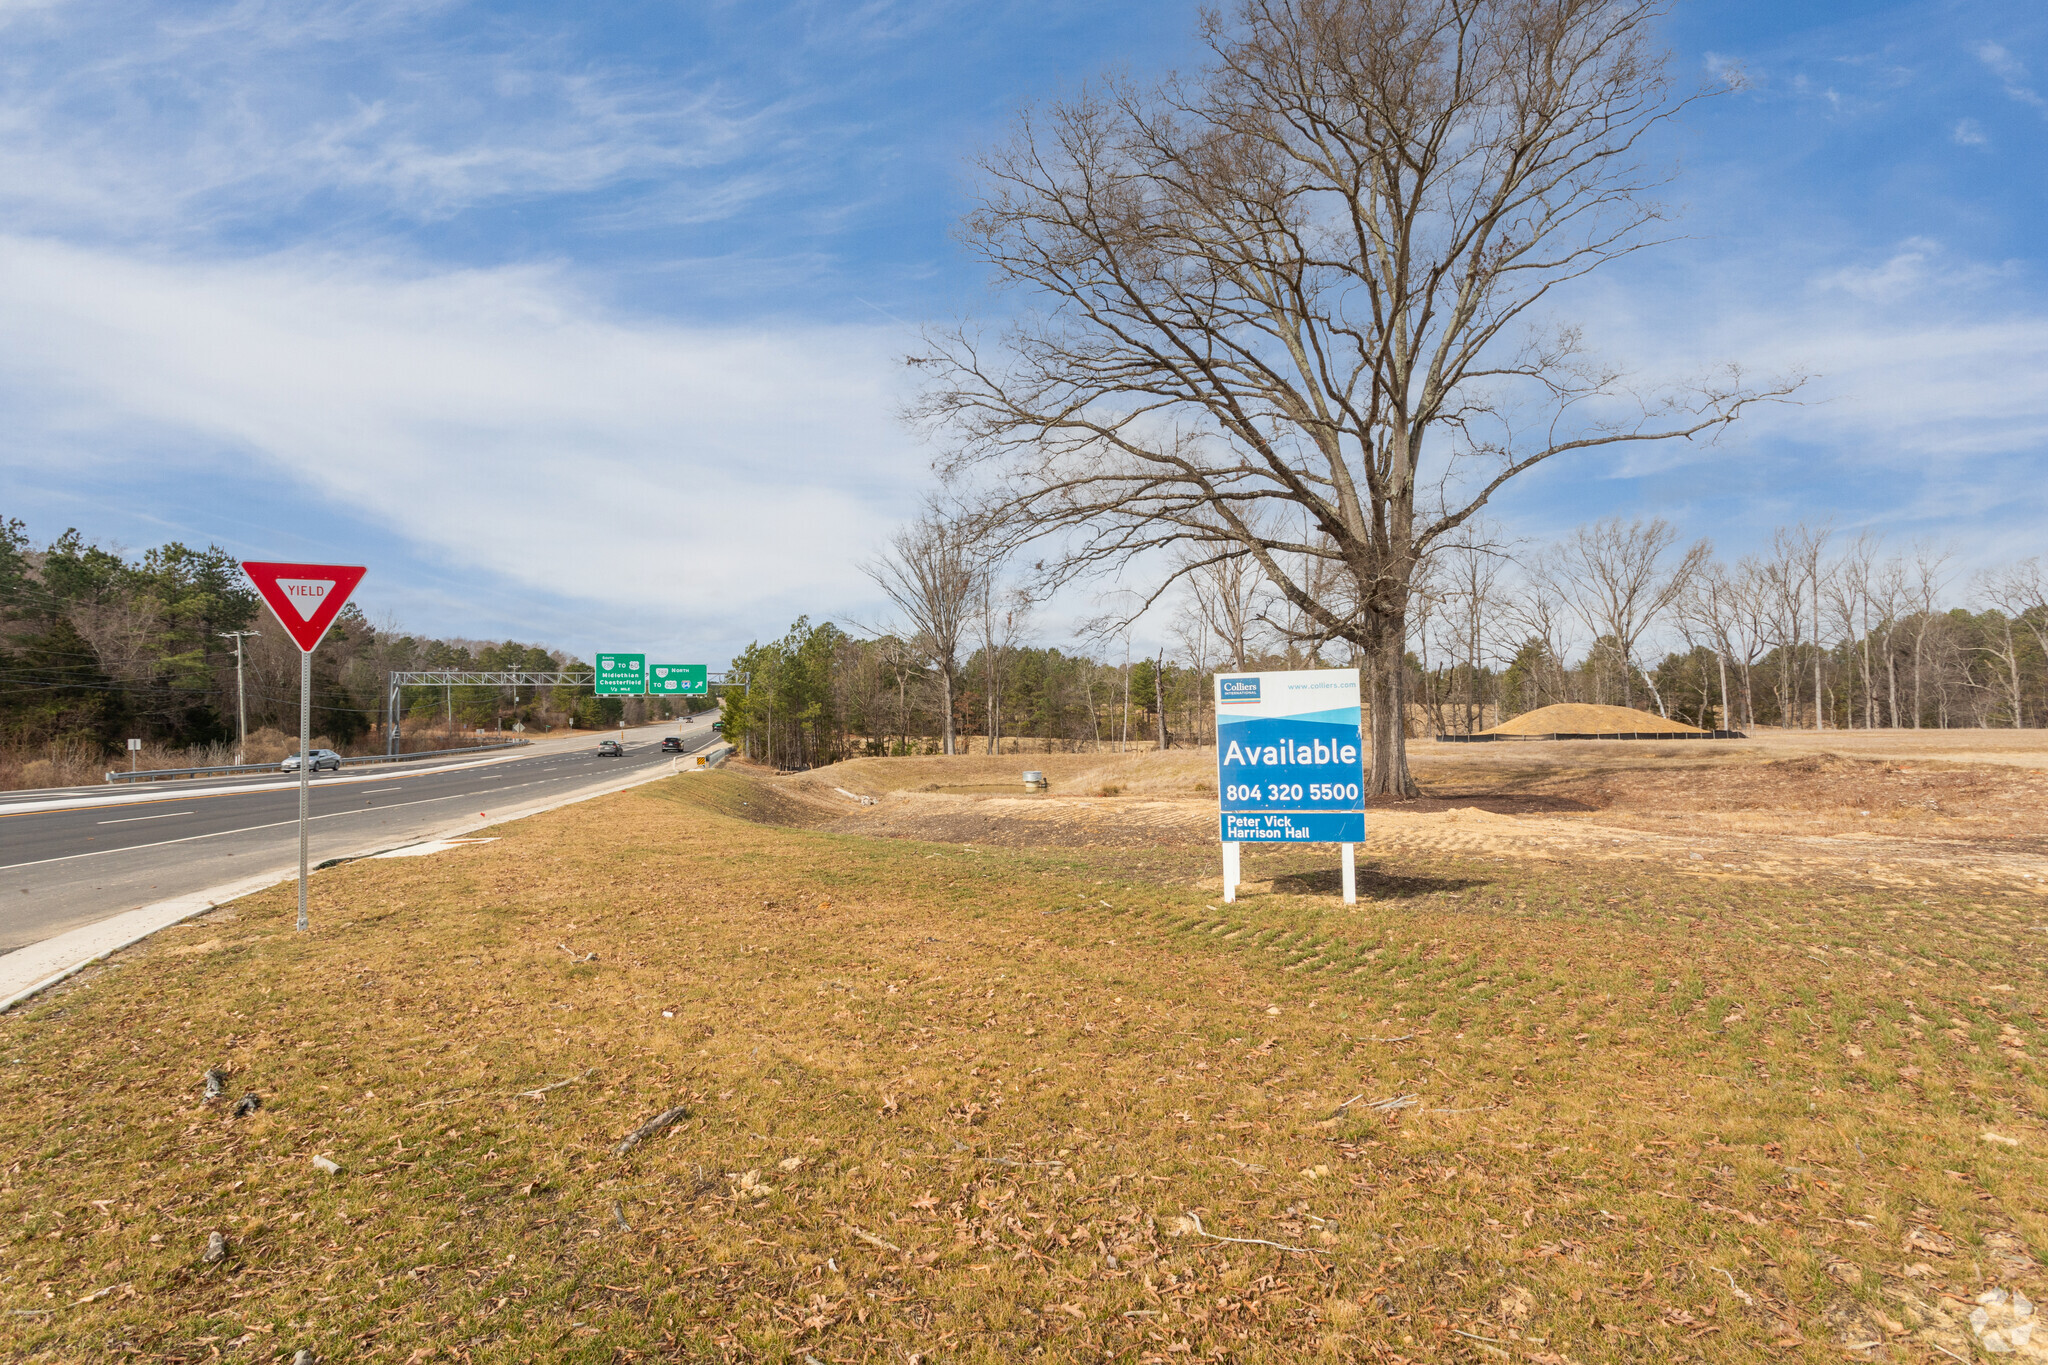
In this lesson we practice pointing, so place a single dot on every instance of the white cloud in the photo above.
(1917, 265)
(1968, 133)
(2012, 72)
(1926, 411)
(244, 113)
(495, 417)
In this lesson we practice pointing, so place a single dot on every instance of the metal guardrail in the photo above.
(273, 767)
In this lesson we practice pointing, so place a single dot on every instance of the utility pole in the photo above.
(241, 702)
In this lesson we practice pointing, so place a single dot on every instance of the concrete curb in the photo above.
(28, 972)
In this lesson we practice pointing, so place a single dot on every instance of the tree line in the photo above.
(97, 647)
(1814, 631)
(820, 694)
(1817, 630)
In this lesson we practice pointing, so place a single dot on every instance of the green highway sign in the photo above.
(679, 680)
(621, 675)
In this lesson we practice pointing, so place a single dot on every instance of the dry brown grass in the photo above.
(1146, 772)
(951, 1103)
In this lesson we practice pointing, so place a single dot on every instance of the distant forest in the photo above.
(97, 648)
(1813, 632)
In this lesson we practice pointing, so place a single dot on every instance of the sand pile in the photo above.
(1576, 718)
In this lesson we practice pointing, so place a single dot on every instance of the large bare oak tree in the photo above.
(1320, 273)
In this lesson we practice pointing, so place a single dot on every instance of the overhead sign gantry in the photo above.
(697, 680)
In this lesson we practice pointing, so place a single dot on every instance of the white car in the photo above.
(322, 758)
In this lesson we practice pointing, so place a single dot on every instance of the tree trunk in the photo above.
(1159, 694)
(1386, 674)
(946, 679)
(1123, 742)
(1817, 713)
(1094, 725)
(1655, 695)
(2012, 660)
(1869, 684)
(1918, 708)
(1891, 673)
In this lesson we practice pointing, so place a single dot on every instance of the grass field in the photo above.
(959, 1102)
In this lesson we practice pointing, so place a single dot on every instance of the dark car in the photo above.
(718, 725)
(610, 748)
(673, 744)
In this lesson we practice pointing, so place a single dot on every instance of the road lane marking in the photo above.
(249, 829)
(131, 819)
(69, 805)
(245, 829)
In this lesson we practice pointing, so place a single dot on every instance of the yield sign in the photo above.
(305, 597)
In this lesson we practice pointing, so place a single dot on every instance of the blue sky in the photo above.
(579, 323)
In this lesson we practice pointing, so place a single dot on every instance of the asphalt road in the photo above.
(63, 868)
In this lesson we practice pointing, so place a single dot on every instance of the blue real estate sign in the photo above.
(1289, 759)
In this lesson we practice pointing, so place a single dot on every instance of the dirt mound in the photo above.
(1579, 718)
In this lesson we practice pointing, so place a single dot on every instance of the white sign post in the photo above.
(1290, 765)
(305, 598)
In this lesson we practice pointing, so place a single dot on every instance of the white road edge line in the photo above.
(74, 951)
(155, 791)
(131, 819)
(244, 829)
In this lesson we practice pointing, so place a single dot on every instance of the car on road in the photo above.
(673, 744)
(322, 758)
(610, 748)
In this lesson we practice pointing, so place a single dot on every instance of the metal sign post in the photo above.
(305, 769)
(1290, 765)
(305, 598)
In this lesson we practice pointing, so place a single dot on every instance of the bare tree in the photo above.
(1615, 576)
(1891, 600)
(1923, 590)
(2016, 595)
(1534, 614)
(1196, 632)
(1471, 562)
(932, 573)
(1806, 547)
(1711, 605)
(1851, 602)
(1227, 599)
(1311, 276)
(2021, 593)
(998, 619)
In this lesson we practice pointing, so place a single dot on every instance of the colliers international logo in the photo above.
(1239, 689)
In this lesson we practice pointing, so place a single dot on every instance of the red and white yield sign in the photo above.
(305, 597)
